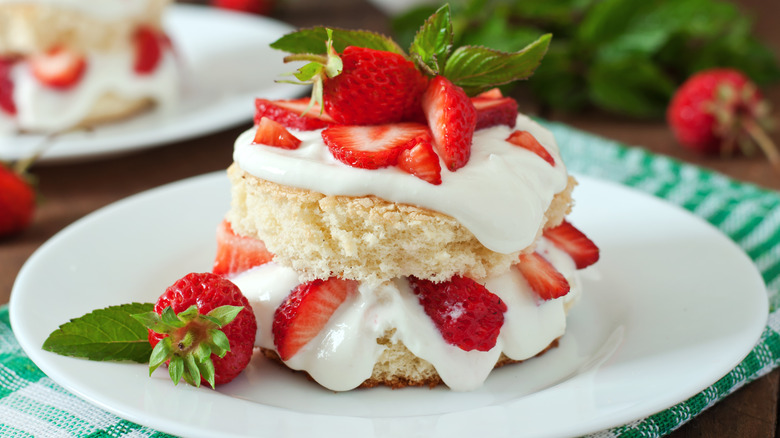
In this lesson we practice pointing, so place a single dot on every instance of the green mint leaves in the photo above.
(473, 68)
(621, 56)
(192, 339)
(104, 334)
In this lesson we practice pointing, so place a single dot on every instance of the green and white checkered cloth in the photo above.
(32, 405)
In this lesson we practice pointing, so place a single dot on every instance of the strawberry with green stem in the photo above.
(720, 110)
(203, 328)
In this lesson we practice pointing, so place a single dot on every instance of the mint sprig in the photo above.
(109, 334)
(473, 68)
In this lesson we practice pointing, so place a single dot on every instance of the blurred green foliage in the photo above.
(622, 56)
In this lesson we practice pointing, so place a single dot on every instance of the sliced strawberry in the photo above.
(525, 140)
(7, 103)
(452, 119)
(568, 238)
(370, 147)
(420, 160)
(58, 68)
(467, 314)
(271, 133)
(542, 276)
(306, 311)
(493, 93)
(237, 253)
(293, 114)
(495, 111)
(148, 49)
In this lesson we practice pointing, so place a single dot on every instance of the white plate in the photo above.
(226, 63)
(677, 306)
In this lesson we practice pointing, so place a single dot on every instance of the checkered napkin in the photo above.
(31, 405)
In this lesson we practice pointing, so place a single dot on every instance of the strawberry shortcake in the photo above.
(66, 64)
(405, 226)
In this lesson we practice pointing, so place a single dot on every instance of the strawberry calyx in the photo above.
(192, 339)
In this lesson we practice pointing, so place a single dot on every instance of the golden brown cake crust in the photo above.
(27, 28)
(364, 238)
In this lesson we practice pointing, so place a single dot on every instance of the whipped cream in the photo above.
(108, 10)
(343, 354)
(41, 108)
(501, 195)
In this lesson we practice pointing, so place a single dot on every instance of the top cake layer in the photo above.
(97, 25)
(325, 218)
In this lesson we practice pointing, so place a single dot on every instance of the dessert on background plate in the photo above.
(68, 64)
(405, 226)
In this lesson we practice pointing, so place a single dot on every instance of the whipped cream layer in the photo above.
(100, 9)
(44, 109)
(501, 195)
(343, 354)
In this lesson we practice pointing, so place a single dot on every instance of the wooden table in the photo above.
(72, 191)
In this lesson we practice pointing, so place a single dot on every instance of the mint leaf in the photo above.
(313, 40)
(104, 334)
(476, 69)
(433, 41)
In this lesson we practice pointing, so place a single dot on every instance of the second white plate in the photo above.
(676, 305)
(226, 61)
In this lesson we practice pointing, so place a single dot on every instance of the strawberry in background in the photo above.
(17, 199)
(261, 7)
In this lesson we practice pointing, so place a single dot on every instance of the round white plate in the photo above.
(226, 64)
(672, 306)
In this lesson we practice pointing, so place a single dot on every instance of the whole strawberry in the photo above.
(374, 87)
(203, 327)
(17, 201)
(720, 110)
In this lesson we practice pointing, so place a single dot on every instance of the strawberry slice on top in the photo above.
(526, 140)
(542, 276)
(59, 67)
(271, 133)
(148, 49)
(306, 311)
(420, 160)
(237, 253)
(494, 109)
(452, 119)
(293, 114)
(574, 242)
(372, 146)
(7, 103)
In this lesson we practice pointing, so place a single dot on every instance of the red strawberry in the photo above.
(370, 147)
(58, 68)
(452, 118)
(525, 140)
(719, 110)
(420, 160)
(183, 329)
(306, 311)
(494, 109)
(271, 133)
(263, 7)
(7, 103)
(148, 49)
(17, 201)
(542, 276)
(237, 253)
(293, 114)
(568, 238)
(374, 87)
(467, 314)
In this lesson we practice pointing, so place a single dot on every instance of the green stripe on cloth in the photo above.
(32, 405)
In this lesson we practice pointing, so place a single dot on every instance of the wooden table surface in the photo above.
(74, 190)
